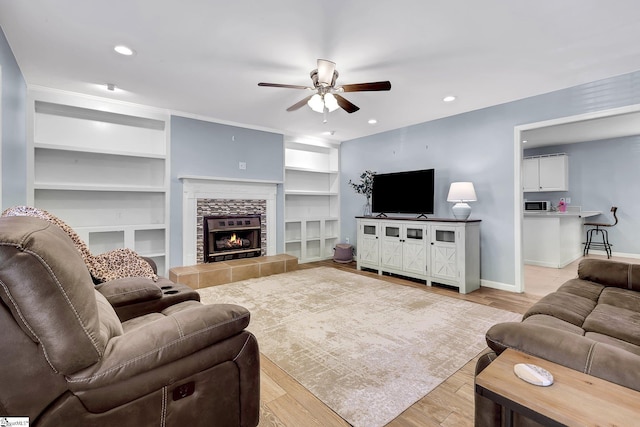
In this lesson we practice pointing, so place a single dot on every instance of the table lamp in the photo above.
(461, 192)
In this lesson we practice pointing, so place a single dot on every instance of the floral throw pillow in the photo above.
(120, 263)
(108, 266)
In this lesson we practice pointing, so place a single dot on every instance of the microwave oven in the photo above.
(537, 206)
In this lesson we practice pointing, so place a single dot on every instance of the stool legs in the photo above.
(591, 244)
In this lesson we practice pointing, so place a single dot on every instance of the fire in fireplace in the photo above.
(231, 237)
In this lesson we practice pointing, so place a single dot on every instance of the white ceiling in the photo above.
(204, 58)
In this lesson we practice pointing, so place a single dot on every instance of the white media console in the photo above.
(444, 251)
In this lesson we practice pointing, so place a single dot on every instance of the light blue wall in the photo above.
(207, 149)
(602, 174)
(14, 138)
(476, 146)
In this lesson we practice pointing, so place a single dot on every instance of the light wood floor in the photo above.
(284, 402)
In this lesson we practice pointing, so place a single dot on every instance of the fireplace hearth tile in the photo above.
(214, 277)
(218, 273)
(272, 267)
(244, 272)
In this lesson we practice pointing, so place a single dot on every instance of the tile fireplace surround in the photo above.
(241, 195)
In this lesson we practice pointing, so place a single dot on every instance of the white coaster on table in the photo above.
(533, 374)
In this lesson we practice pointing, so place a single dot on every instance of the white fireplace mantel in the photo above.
(198, 187)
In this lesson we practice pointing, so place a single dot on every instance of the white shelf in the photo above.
(83, 187)
(72, 148)
(101, 167)
(309, 193)
(311, 188)
(311, 170)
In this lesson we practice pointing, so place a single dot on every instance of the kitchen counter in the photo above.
(581, 214)
(553, 239)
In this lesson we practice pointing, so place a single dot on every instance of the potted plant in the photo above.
(365, 187)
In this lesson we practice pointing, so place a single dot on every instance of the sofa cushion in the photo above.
(615, 342)
(616, 322)
(564, 306)
(607, 273)
(582, 288)
(110, 325)
(554, 322)
(39, 262)
(620, 298)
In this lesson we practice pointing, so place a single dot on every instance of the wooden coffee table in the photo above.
(574, 399)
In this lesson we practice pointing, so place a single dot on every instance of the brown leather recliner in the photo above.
(67, 359)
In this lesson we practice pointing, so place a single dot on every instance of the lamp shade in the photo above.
(462, 192)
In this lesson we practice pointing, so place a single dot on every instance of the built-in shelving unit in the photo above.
(101, 167)
(312, 202)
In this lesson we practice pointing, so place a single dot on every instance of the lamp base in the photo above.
(461, 210)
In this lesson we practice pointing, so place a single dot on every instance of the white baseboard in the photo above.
(498, 285)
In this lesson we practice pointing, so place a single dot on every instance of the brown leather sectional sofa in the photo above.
(590, 324)
(127, 353)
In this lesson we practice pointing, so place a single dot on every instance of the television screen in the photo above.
(403, 192)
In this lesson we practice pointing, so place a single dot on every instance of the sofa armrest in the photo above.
(171, 294)
(161, 342)
(610, 273)
(129, 290)
(568, 349)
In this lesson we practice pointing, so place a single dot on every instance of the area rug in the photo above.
(367, 348)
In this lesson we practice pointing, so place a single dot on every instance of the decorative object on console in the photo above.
(461, 193)
(365, 187)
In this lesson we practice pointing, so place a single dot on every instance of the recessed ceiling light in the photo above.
(449, 98)
(123, 50)
(372, 121)
(524, 141)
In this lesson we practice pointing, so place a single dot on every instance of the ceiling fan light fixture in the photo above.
(331, 102)
(326, 71)
(316, 103)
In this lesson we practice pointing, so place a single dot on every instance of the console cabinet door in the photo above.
(444, 254)
(415, 249)
(368, 244)
(391, 246)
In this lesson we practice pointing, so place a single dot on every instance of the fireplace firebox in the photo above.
(231, 237)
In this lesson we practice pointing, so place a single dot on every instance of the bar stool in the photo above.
(600, 228)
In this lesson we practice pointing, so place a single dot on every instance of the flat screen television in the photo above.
(409, 192)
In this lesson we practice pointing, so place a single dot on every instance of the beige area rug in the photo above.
(367, 348)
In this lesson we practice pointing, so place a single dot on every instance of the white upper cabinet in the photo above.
(545, 173)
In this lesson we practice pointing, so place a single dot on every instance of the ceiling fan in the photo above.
(326, 97)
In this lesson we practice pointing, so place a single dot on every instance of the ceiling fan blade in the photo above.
(325, 71)
(299, 104)
(364, 87)
(346, 105)
(285, 86)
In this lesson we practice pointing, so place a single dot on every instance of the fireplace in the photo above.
(227, 237)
